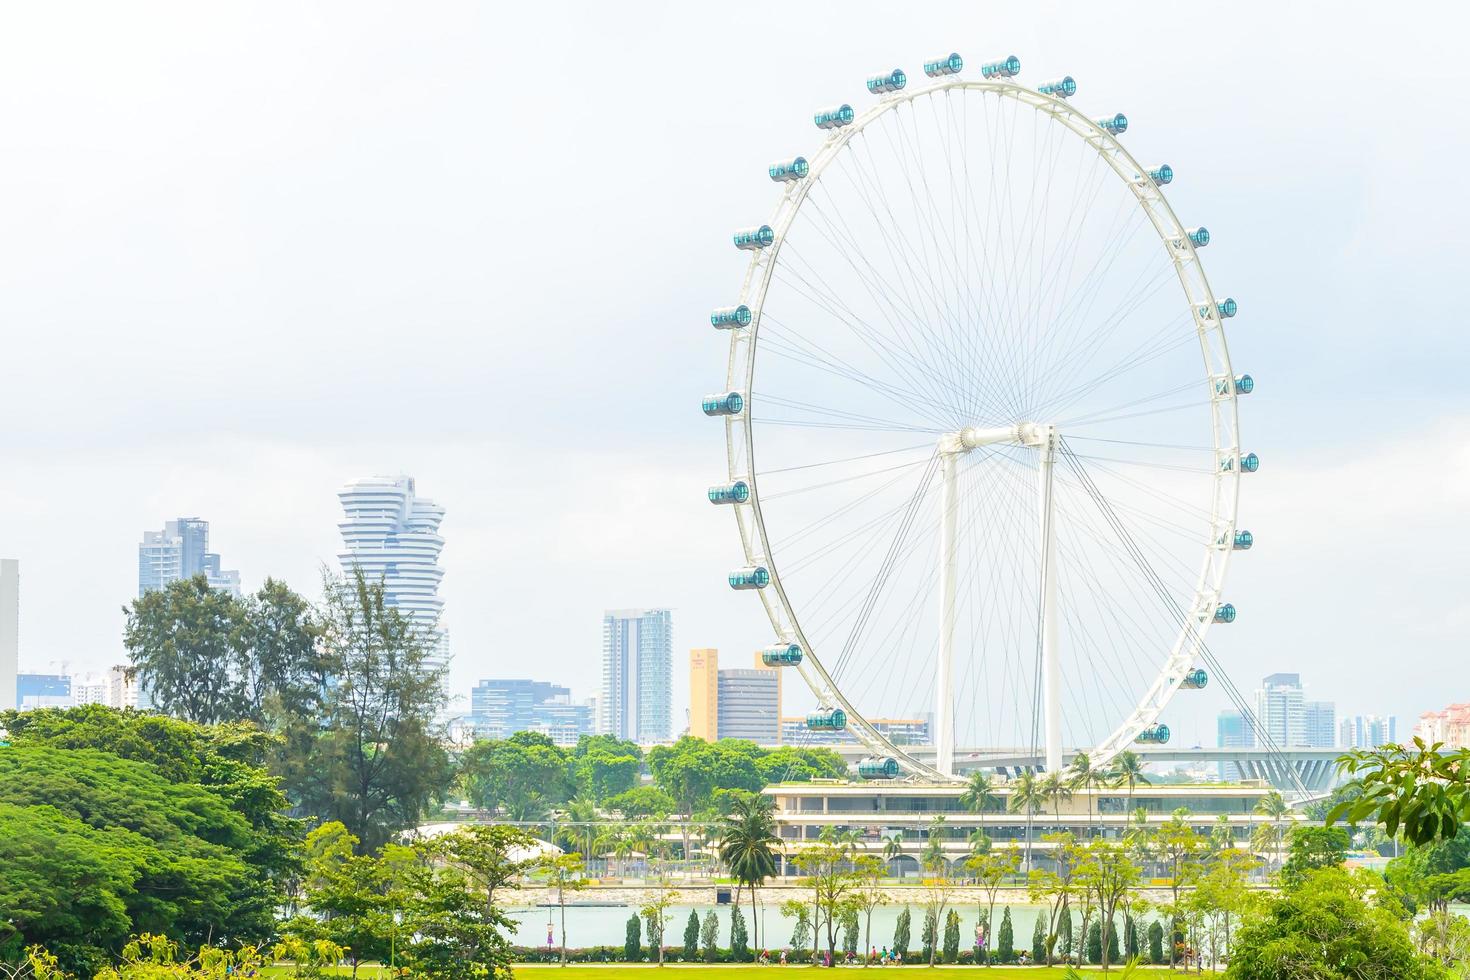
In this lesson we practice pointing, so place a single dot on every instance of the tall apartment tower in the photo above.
(704, 693)
(180, 551)
(637, 674)
(750, 703)
(392, 534)
(1281, 711)
(1367, 731)
(9, 630)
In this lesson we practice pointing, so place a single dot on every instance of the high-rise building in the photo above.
(704, 696)
(1280, 712)
(1367, 731)
(1319, 722)
(1450, 726)
(1233, 730)
(637, 674)
(392, 535)
(749, 703)
(9, 630)
(123, 692)
(500, 708)
(42, 691)
(179, 551)
(89, 689)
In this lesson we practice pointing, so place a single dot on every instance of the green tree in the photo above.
(1155, 942)
(747, 843)
(632, 940)
(850, 928)
(1131, 948)
(1273, 807)
(709, 937)
(691, 937)
(952, 937)
(640, 802)
(1094, 942)
(739, 938)
(1028, 795)
(1313, 848)
(901, 932)
(1087, 778)
(801, 929)
(189, 645)
(868, 894)
(522, 776)
(1323, 928)
(377, 762)
(1110, 876)
(95, 847)
(348, 897)
(1065, 936)
(928, 937)
(979, 795)
(604, 766)
(1038, 942)
(1005, 944)
(1176, 844)
(828, 868)
(991, 871)
(1420, 791)
(491, 857)
(564, 871)
(1128, 770)
(656, 917)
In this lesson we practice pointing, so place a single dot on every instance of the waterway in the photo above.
(605, 925)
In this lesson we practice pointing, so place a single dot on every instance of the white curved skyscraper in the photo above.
(392, 534)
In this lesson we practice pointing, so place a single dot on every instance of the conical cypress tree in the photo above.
(901, 933)
(633, 940)
(1130, 938)
(691, 937)
(1038, 942)
(1094, 942)
(952, 937)
(739, 938)
(1005, 945)
(1112, 943)
(1064, 937)
(929, 936)
(1155, 942)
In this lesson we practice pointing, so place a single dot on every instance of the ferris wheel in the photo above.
(981, 421)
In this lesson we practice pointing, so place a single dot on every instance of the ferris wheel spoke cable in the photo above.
(830, 365)
(939, 345)
(1277, 755)
(927, 446)
(909, 353)
(764, 398)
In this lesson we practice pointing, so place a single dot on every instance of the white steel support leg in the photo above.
(948, 554)
(1051, 671)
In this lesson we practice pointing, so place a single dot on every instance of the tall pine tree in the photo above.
(1005, 944)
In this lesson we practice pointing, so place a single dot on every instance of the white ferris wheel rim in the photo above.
(1209, 328)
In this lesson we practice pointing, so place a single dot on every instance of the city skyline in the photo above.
(488, 412)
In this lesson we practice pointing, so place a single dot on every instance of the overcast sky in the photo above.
(249, 251)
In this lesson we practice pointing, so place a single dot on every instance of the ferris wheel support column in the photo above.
(948, 548)
(1051, 671)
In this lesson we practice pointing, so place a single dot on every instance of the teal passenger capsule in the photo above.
(885, 768)
(892, 81)
(1249, 463)
(1114, 124)
(834, 117)
(1243, 541)
(1153, 735)
(1162, 174)
(827, 719)
(749, 577)
(1195, 680)
(786, 171)
(754, 239)
(951, 65)
(1007, 67)
(1200, 236)
(1059, 88)
(1225, 613)
(730, 493)
(730, 317)
(781, 655)
(730, 403)
(1227, 307)
(1241, 384)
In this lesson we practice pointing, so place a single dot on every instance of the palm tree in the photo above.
(1088, 778)
(979, 793)
(748, 844)
(580, 830)
(1055, 786)
(1128, 770)
(1273, 806)
(893, 848)
(1027, 794)
(934, 847)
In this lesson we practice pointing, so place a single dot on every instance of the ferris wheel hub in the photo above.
(1034, 435)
